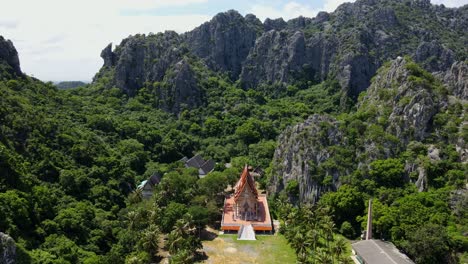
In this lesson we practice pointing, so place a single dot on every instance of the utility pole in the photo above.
(369, 221)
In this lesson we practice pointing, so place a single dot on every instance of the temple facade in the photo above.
(246, 206)
(246, 197)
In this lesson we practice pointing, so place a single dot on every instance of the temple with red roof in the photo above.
(246, 206)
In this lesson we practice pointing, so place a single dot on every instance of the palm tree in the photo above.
(154, 214)
(177, 235)
(182, 256)
(299, 243)
(328, 227)
(345, 260)
(150, 239)
(133, 219)
(136, 196)
(183, 236)
(323, 257)
(339, 247)
(314, 235)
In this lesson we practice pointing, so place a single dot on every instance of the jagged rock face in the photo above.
(397, 105)
(456, 80)
(416, 167)
(108, 56)
(141, 59)
(355, 73)
(458, 201)
(182, 90)
(274, 24)
(299, 23)
(225, 41)
(274, 56)
(349, 53)
(434, 57)
(349, 45)
(7, 249)
(322, 17)
(409, 106)
(9, 61)
(302, 149)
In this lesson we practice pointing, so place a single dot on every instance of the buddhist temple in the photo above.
(246, 206)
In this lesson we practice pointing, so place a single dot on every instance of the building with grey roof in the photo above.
(204, 166)
(147, 186)
(374, 251)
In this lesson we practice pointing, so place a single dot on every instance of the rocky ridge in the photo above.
(9, 61)
(398, 108)
(349, 45)
(302, 164)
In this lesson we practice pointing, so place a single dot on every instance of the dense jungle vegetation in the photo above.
(70, 161)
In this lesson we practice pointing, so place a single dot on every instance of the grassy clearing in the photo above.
(266, 249)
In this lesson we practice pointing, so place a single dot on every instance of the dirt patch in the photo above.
(267, 249)
(230, 250)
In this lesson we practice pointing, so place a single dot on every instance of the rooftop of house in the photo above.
(204, 166)
(153, 180)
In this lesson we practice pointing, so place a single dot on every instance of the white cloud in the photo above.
(287, 11)
(292, 9)
(450, 3)
(331, 5)
(62, 39)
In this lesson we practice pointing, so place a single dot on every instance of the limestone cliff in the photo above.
(7, 249)
(225, 41)
(9, 61)
(399, 107)
(302, 152)
(349, 45)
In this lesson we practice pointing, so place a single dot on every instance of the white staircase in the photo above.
(246, 232)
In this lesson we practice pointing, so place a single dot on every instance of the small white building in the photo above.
(147, 186)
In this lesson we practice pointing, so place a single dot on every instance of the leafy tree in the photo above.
(387, 172)
(346, 204)
(173, 212)
(429, 244)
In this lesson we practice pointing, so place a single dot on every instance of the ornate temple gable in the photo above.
(246, 180)
(246, 206)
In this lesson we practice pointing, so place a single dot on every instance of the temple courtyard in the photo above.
(266, 249)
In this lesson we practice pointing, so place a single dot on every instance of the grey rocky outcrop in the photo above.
(456, 79)
(181, 90)
(274, 24)
(140, 59)
(7, 249)
(408, 105)
(275, 55)
(301, 151)
(349, 45)
(156, 60)
(434, 57)
(9, 61)
(108, 56)
(225, 41)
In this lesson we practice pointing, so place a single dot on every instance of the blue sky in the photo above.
(62, 39)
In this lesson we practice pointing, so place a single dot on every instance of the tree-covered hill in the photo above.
(282, 96)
